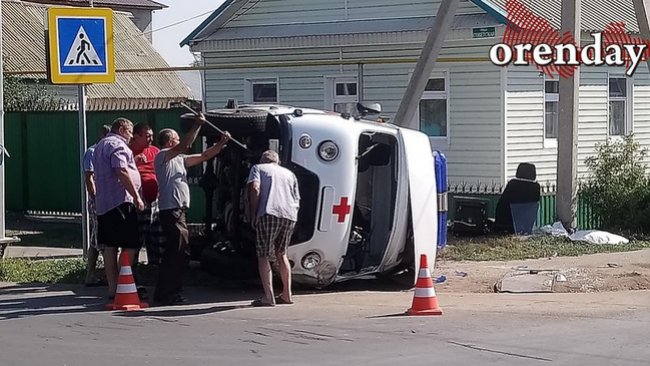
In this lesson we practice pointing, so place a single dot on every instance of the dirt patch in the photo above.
(587, 273)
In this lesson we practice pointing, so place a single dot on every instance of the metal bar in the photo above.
(213, 126)
(249, 65)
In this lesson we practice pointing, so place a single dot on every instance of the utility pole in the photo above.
(568, 125)
(436, 38)
(642, 8)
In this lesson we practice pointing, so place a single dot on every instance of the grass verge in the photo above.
(72, 271)
(516, 248)
(42, 271)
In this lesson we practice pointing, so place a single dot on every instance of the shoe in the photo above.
(142, 293)
(280, 301)
(179, 300)
(260, 303)
(174, 300)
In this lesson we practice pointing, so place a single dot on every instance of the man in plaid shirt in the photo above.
(274, 204)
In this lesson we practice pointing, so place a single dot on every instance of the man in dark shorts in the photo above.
(117, 181)
(274, 204)
(173, 201)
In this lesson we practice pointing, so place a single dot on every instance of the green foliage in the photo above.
(618, 188)
(22, 94)
(42, 271)
(518, 248)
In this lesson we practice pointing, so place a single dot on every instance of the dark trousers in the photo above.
(176, 258)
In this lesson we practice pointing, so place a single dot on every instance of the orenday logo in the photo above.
(531, 40)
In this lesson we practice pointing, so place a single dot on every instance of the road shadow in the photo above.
(21, 301)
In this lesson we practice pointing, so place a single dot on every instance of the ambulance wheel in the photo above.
(238, 121)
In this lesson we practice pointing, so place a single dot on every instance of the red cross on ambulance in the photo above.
(342, 209)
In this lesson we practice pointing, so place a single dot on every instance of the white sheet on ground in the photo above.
(598, 237)
(589, 236)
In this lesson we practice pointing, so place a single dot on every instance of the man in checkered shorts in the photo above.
(274, 204)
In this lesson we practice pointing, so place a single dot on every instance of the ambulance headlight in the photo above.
(311, 260)
(328, 150)
(305, 141)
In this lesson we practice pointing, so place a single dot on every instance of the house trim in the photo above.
(493, 10)
(218, 18)
(504, 120)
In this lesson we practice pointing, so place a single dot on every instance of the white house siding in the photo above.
(474, 152)
(298, 85)
(267, 12)
(525, 118)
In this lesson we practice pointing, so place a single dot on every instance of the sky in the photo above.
(166, 40)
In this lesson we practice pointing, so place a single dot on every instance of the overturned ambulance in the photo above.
(368, 193)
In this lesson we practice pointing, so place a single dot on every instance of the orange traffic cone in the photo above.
(424, 299)
(126, 295)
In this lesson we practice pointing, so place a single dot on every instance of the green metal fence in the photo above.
(43, 174)
(490, 194)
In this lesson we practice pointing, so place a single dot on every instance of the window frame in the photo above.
(550, 142)
(249, 87)
(629, 104)
(437, 141)
(330, 98)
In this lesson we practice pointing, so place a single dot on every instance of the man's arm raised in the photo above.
(211, 152)
(188, 140)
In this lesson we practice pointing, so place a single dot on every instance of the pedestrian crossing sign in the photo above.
(80, 45)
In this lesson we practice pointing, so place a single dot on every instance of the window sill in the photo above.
(550, 143)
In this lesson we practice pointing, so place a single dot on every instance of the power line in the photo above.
(179, 22)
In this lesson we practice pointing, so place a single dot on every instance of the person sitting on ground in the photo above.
(521, 189)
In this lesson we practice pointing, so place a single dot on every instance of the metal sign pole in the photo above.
(85, 233)
(83, 145)
(3, 154)
(2, 139)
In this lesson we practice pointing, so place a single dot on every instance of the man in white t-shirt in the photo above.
(274, 204)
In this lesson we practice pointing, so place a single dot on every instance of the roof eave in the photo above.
(493, 10)
(206, 23)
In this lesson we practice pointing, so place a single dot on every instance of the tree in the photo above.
(24, 94)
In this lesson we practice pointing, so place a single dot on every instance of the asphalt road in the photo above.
(68, 326)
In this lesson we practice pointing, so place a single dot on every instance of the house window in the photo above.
(342, 94)
(619, 106)
(433, 111)
(262, 91)
(551, 108)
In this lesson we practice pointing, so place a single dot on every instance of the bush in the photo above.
(618, 188)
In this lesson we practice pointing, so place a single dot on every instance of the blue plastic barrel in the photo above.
(441, 188)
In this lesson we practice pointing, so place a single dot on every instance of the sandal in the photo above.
(282, 301)
(260, 303)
